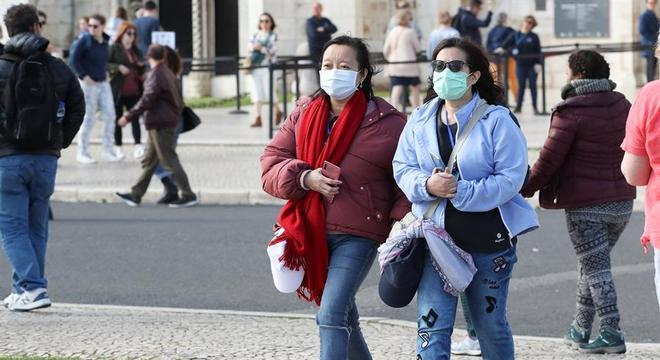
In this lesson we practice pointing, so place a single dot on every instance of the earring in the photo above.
(360, 86)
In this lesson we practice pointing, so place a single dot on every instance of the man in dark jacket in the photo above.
(27, 178)
(648, 29)
(161, 105)
(467, 23)
(319, 31)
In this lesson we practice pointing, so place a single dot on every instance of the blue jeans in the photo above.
(526, 73)
(486, 296)
(26, 184)
(160, 170)
(350, 260)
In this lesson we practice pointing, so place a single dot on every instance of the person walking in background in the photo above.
(442, 32)
(527, 50)
(126, 69)
(480, 207)
(578, 170)
(146, 24)
(319, 31)
(90, 62)
(404, 5)
(500, 42)
(171, 191)
(82, 30)
(114, 24)
(262, 50)
(641, 163)
(28, 177)
(467, 23)
(649, 26)
(401, 44)
(161, 104)
(333, 225)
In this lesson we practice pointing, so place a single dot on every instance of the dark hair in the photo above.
(98, 17)
(362, 54)
(42, 14)
(589, 64)
(150, 5)
(19, 18)
(476, 61)
(272, 21)
(173, 60)
(476, 2)
(156, 52)
(121, 13)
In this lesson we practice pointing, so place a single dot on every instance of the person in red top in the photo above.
(332, 227)
(641, 162)
(578, 170)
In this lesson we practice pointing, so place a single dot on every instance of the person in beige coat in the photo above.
(402, 44)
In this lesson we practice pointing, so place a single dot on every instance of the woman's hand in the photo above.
(257, 46)
(124, 70)
(326, 186)
(442, 185)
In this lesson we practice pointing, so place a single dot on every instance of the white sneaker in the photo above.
(112, 157)
(138, 152)
(467, 346)
(119, 152)
(31, 300)
(10, 299)
(85, 159)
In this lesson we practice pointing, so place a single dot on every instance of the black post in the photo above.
(543, 83)
(238, 89)
(271, 101)
(297, 79)
(505, 80)
(284, 91)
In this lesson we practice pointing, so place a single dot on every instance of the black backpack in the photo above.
(29, 105)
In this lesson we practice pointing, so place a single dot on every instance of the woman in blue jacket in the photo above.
(481, 208)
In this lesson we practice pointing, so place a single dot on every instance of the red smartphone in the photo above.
(330, 170)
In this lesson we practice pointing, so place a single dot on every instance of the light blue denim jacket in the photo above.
(492, 165)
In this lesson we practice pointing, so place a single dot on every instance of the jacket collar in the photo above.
(377, 108)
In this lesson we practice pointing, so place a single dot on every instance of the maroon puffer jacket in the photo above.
(580, 163)
(369, 199)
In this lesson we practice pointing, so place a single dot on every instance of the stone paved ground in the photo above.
(107, 332)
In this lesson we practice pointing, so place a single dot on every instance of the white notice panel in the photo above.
(164, 38)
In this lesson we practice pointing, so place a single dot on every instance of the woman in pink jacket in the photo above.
(333, 224)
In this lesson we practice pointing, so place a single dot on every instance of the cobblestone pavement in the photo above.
(109, 332)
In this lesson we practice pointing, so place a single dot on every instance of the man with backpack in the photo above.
(41, 109)
(468, 25)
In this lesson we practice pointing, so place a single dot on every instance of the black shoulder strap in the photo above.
(11, 57)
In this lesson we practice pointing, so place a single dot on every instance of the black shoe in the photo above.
(186, 201)
(168, 198)
(129, 199)
(516, 110)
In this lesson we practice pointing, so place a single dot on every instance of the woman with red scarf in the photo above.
(332, 227)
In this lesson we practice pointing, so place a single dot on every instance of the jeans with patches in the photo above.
(350, 260)
(26, 184)
(486, 297)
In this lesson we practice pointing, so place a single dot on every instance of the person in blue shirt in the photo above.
(146, 24)
(468, 24)
(90, 62)
(528, 60)
(443, 31)
(480, 207)
(649, 25)
(319, 31)
(500, 41)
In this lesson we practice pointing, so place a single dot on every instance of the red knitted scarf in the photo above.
(303, 220)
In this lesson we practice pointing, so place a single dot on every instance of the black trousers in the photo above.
(651, 68)
(128, 102)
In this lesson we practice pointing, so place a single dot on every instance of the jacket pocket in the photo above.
(373, 214)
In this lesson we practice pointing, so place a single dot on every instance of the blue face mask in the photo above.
(450, 85)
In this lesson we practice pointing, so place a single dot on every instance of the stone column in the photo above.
(200, 82)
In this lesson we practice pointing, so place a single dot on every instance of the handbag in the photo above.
(409, 218)
(190, 119)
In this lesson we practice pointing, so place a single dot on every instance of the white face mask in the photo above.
(338, 84)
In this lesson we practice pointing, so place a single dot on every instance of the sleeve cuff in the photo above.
(461, 189)
(302, 178)
(426, 195)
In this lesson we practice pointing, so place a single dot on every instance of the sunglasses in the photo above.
(454, 65)
(264, 21)
(130, 33)
(93, 26)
